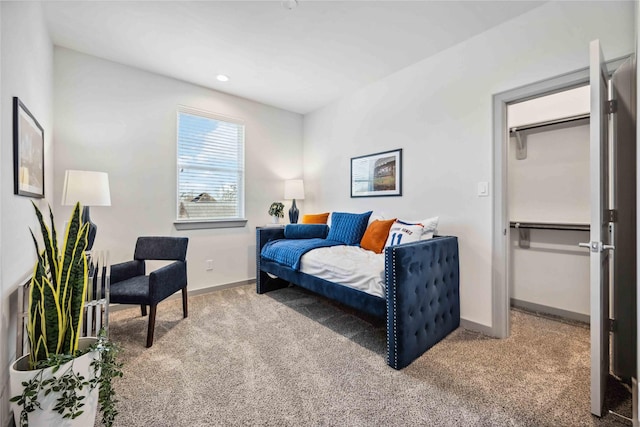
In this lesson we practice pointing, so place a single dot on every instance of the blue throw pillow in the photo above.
(305, 231)
(348, 228)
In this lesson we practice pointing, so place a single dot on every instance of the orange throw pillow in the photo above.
(376, 235)
(315, 218)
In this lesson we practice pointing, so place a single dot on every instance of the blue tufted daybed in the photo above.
(422, 304)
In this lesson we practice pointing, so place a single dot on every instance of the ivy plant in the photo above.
(69, 403)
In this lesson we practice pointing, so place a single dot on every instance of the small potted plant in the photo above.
(276, 210)
(64, 378)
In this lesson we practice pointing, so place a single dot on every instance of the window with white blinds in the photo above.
(210, 167)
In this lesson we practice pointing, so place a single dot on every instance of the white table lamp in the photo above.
(90, 188)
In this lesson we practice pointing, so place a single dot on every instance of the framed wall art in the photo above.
(28, 152)
(376, 175)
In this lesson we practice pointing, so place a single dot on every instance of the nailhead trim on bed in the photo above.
(258, 269)
(386, 291)
(392, 351)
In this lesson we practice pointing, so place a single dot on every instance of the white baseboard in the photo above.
(546, 310)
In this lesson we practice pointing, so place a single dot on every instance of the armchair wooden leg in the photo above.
(143, 309)
(152, 324)
(185, 311)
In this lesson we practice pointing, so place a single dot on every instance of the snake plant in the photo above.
(58, 288)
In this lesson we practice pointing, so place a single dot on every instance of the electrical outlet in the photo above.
(209, 263)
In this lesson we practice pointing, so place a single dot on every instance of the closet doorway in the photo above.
(538, 225)
(548, 203)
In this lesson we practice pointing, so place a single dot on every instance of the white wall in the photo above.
(26, 72)
(552, 183)
(122, 120)
(439, 111)
(553, 272)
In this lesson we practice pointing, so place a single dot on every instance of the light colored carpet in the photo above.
(293, 358)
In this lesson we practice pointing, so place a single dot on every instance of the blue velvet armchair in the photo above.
(131, 285)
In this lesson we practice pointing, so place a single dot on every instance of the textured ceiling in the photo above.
(299, 59)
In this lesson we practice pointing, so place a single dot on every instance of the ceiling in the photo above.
(298, 59)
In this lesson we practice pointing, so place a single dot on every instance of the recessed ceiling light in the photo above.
(289, 4)
(222, 78)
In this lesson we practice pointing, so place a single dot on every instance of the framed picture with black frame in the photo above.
(377, 175)
(28, 152)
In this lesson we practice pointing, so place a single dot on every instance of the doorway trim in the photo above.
(501, 300)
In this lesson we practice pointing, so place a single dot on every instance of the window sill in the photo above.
(211, 223)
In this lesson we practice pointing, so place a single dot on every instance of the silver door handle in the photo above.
(596, 246)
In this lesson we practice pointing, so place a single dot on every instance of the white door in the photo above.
(599, 245)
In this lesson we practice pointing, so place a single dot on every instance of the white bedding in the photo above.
(347, 265)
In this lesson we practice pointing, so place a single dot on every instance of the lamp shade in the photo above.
(90, 188)
(293, 189)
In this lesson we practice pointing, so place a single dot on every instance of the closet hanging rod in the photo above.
(550, 226)
(550, 123)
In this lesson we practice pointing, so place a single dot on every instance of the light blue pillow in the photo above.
(348, 228)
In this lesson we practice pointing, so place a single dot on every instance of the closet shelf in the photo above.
(550, 226)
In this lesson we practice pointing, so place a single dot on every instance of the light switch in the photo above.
(483, 189)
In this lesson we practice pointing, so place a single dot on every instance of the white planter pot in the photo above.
(275, 219)
(19, 372)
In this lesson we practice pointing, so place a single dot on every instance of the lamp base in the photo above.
(93, 229)
(293, 213)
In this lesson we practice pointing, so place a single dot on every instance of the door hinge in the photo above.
(612, 106)
(611, 215)
(612, 325)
